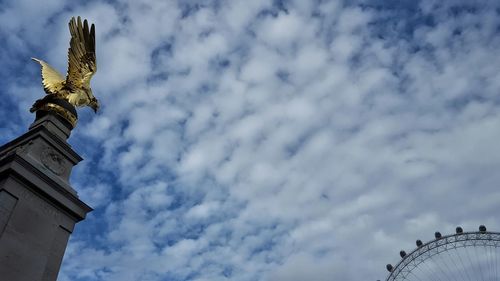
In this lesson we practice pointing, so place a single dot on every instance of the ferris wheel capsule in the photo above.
(389, 267)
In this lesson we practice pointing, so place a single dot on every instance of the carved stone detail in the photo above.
(22, 149)
(53, 161)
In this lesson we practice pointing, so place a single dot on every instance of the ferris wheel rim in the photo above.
(446, 240)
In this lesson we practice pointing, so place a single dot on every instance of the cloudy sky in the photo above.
(268, 140)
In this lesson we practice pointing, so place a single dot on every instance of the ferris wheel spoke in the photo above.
(435, 273)
(424, 273)
(453, 272)
(489, 273)
(491, 265)
(494, 259)
(496, 264)
(418, 278)
(463, 265)
(442, 271)
(479, 263)
(457, 267)
(472, 265)
(487, 263)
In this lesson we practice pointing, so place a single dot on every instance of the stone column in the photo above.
(38, 207)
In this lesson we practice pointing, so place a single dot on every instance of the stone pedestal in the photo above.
(38, 207)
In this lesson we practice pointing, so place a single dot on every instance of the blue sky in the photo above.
(268, 140)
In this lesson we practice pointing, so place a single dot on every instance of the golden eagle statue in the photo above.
(75, 88)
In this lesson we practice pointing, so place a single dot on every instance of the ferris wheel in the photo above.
(463, 256)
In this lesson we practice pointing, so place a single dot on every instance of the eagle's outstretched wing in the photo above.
(51, 78)
(81, 54)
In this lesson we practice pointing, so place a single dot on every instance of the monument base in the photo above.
(38, 207)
